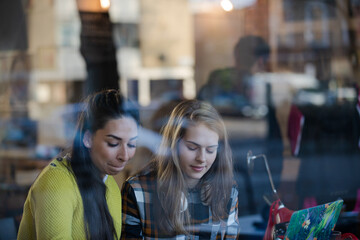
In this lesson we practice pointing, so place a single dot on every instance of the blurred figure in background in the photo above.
(230, 88)
(97, 47)
(233, 92)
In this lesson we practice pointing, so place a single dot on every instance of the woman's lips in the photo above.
(197, 168)
(117, 168)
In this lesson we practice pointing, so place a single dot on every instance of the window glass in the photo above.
(283, 74)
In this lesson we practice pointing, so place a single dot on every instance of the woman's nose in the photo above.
(123, 154)
(201, 155)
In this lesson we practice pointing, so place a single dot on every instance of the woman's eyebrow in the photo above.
(119, 138)
(198, 145)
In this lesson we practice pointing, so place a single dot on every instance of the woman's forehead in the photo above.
(124, 125)
(201, 134)
(213, 126)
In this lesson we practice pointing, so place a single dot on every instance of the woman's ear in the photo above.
(87, 139)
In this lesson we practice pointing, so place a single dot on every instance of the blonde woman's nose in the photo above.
(201, 155)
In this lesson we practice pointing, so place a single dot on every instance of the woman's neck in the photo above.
(191, 183)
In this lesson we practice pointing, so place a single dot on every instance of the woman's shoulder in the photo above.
(145, 176)
(56, 184)
(144, 180)
(56, 172)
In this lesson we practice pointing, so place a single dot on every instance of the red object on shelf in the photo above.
(295, 126)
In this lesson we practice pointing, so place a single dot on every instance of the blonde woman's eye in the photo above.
(191, 148)
(212, 150)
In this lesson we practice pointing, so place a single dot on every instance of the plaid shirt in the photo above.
(140, 204)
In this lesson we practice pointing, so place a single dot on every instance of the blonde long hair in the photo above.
(215, 185)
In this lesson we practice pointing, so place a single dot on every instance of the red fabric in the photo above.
(295, 124)
(348, 236)
(277, 214)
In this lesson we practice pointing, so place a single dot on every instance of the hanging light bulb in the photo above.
(105, 4)
(227, 5)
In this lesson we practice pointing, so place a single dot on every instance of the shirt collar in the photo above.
(105, 177)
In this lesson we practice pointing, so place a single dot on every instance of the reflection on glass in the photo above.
(335, 235)
(227, 5)
(250, 162)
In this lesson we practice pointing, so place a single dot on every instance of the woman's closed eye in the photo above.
(131, 145)
(211, 150)
(191, 148)
(112, 144)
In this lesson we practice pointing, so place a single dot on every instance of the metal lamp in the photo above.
(250, 158)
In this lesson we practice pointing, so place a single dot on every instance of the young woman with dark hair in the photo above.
(187, 191)
(75, 196)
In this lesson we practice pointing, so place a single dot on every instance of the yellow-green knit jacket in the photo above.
(53, 208)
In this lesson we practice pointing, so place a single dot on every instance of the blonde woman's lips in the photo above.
(197, 168)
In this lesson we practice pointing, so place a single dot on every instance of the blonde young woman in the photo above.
(187, 191)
